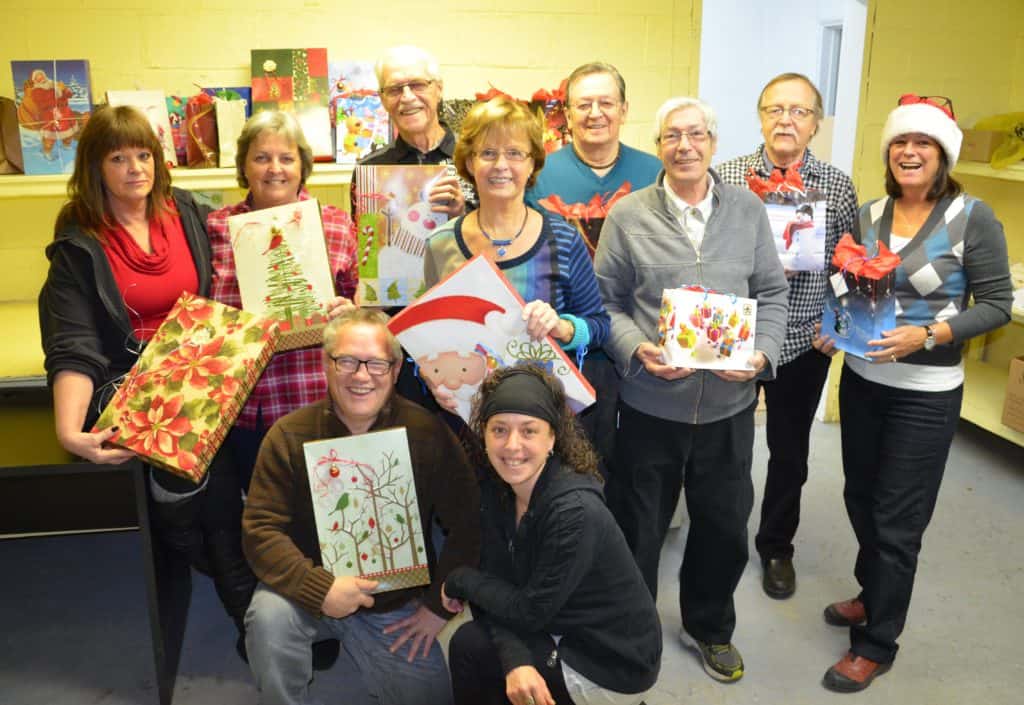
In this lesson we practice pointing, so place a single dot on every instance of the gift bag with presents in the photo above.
(702, 329)
(364, 503)
(179, 400)
(859, 299)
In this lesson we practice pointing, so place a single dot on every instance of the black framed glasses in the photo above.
(939, 101)
(350, 365)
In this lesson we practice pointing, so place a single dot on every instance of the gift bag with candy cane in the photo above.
(703, 329)
(859, 299)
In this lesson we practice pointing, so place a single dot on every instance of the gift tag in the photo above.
(838, 282)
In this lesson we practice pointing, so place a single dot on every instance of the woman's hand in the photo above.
(525, 686)
(823, 343)
(653, 359)
(897, 343)
(92, 446)
(337, 306)
(450, 603)
(755, 364)
(542, 320)
(446, 197)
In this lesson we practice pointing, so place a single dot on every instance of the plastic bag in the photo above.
(1011, 150)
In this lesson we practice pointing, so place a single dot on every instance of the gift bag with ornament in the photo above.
(394, 220)
(471, 324)
(179, 400)
(364, 503)
(283, 270)
(797, 216)
(201, 132)
(860, 301)
(703, 329)
(295, 81)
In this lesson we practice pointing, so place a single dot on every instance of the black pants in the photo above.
(599, 420)
(652, 457)
(478, 677)
(790, 401)
(895, 445)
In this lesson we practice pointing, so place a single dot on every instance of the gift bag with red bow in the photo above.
(796, 215)
(860, 300)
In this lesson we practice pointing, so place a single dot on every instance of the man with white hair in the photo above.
(681, 427)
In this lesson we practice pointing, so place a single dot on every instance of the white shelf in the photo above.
(56, 185)
(984, 391)
(1014, 172)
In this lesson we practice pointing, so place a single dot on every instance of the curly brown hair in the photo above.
(571, 445)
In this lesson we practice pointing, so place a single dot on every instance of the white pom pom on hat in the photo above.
(925, 119)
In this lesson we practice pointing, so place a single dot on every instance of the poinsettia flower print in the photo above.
(188, 310)
(194, 364)
(157, 429)
(226, 392)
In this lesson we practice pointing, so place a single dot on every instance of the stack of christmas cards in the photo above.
(471, 324)
(394, 220)
(152, 104)
(53, 104)
(702, 329)
(283, 269)
(366, 511)
(360, 121)
(179, 400)
(295, 81)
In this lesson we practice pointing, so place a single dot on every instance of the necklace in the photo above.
(502, 245)
(609, 165)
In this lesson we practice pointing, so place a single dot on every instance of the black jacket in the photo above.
(83, 321)
(566, 570)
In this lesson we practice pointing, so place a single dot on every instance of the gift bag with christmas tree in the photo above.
(471, 324)
(366, 511)
(394, 220)
(295, 81)
(703, 329)
(179, 400)
(283, 270)
(360, 121)
(860, 301)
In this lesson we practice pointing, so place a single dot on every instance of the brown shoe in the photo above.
(853, 673)
(846, 613)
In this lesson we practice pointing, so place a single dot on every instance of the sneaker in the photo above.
(721, 661)
(846, 613)
(853, 673)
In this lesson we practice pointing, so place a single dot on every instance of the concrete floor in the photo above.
(70, 633)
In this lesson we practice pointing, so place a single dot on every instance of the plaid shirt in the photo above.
(293, 378)
(806, 289)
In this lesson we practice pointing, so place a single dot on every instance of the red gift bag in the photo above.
(201, 128)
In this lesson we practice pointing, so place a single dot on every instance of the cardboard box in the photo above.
(978, 145)
(1013, 405)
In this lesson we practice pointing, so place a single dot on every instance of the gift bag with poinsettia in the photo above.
(703, 329)
(860, 301)
(177, 403)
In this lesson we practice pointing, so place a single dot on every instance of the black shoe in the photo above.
(325, 653)
(240, 648)
(779, 580)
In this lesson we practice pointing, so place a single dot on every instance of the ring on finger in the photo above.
(529, 700)
(893, 357)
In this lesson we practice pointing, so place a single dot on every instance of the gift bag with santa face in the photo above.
(394, 220)
(860, 300)
(702, 329)
(283, 271)
(471, 324)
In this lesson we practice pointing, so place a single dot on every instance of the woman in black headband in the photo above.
(561, 611)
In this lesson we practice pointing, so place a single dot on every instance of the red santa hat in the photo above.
(927, 118)
(468, 321)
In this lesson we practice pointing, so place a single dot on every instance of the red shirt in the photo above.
(150, 283)
(294, 378)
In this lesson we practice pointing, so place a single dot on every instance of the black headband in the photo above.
(521, 393)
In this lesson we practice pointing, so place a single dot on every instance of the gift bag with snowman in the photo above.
(394, 220)
(703, 329)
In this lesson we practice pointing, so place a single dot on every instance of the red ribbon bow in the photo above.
(853, 258)
(776, 182)
(596, 207)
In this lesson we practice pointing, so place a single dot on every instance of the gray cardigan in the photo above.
(642, 252)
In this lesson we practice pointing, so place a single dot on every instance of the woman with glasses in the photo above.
(274, 161)
(500, 151)
(561, 611)
(900, 406)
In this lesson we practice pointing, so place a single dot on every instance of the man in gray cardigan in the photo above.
(689, 228)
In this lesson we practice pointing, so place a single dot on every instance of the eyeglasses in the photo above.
(350, 365)
(797, 112)
(939, 101)
(419, 87)
(672, 137)
(605, 105)
(511, 155)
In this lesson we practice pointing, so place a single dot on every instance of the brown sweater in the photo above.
(279, 535)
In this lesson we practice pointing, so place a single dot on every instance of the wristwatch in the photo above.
(929, 341)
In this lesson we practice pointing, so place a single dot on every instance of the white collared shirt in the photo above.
(692, 219)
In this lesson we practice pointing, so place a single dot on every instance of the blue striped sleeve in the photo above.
(579, 285)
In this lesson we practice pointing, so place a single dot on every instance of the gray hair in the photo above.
(673, 104)
(407, 55)
(280, 123)
(595, 67)
(356, 316)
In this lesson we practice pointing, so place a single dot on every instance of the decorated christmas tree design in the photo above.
(290, 295)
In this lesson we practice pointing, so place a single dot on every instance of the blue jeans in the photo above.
(280, 634)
